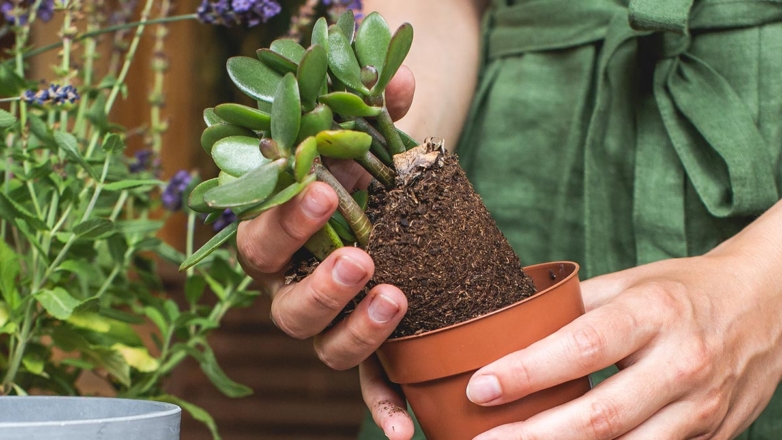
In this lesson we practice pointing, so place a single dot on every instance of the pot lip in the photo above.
(574, 273)
(158, 410)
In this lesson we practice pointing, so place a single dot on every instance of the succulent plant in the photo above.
(325, 101)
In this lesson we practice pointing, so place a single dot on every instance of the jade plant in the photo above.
(314, 104)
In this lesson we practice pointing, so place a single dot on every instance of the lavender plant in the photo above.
(323, 102)
(79, 217)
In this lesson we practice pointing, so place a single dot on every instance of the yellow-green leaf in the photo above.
(137, 357)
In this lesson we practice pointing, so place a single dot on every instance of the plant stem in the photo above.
(106, 30)
(16, 358)
(377, 169)
(353, 213)
(379, 144)
(386, 125)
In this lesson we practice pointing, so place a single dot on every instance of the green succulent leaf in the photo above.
(278, 62)
(196, 200)
(312, 123)
(212, 245)
(252, 188)
(290, 49)
(286, 113)
(255, 79)
(210, 118)
(349, 105)
(347, 24)
(212, 134)
(225, 178)
(343, 62)
(6, 119)
(342, 227)
(323, 242)
(244, 116)
(362, 198)
(238, 155)
(278, 199)
(372, 41)
(397, 52)
(305, 155)
(320, 34)
(407, 141)
(345, 144)
(312, 74)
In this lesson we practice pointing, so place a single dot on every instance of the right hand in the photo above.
(305, 309)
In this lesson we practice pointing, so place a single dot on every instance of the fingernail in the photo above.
(315, 204)
(348, 272)
(483, 389)
(382, 309)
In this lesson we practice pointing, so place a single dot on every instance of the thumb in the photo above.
(399, 93)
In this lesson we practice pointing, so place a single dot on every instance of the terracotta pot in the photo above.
(433, 368)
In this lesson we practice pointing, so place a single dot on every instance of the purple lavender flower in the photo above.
(339, 6)
(226, 218)
(172, 195)
(143, 161)
(54, 94)
(238, 12)
(17, 12)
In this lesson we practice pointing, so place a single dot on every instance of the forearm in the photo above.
(444, 59)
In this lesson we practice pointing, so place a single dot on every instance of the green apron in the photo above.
(617, 133)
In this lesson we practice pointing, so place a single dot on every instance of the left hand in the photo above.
(696, 340)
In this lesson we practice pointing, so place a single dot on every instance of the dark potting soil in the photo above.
(435, 240)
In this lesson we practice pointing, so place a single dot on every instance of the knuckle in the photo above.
(319, 299)
(589, 345)
(521, 377)
(286, 326)
(331, 361)
(666, 296)
(711, 411)
(603, 421)
(695, 363)
(295, 230)
(361, 339)
(255, 258)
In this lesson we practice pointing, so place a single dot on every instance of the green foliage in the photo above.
(327, 102)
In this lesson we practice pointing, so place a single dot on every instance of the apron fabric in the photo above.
(616, 133)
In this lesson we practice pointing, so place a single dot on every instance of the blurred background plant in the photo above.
(84, 199)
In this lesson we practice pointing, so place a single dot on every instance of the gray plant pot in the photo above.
(87, 418)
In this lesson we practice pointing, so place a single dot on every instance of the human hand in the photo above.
(304, 309)
(695, 342)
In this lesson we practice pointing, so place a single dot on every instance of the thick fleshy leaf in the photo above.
(362, 198)
(312, 74)
(238, 155)
(213, 244)
(347, 24)
(255, 79)
(224, 178)
(343, 62)
(254, 187)
(408, 141)
(320, 33)
(210, 118)
(196, 200)
(312, 123)
(344, 144)
(278, 199)
(305, 155)
(278, 62)
(372, 40)
(290, 49)
(286, 113)
(397, 52)
(349, 105)
(244, 116)
(58, 302)
(221, 131)
(323, 242)
(341, 226)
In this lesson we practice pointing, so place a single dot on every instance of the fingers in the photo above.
(400, 93)
(304, 309)
(611, 409)
(592, 342)
(267, 242)
(355, 338)
(387, 405)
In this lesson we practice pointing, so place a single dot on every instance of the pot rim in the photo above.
(157, 410)
(572, 274)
